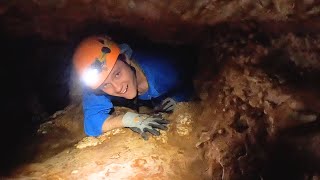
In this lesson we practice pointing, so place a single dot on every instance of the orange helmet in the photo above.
(94, 59)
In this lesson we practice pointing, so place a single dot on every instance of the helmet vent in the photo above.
(105, 50)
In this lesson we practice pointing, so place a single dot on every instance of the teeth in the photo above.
(125, 90)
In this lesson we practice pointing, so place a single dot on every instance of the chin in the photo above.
(131, 95)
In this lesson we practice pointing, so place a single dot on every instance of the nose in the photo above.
(116, 87)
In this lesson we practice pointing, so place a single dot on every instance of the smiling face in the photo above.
(121, 81)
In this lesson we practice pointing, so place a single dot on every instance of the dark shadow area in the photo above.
(186, 54)
(36, 77)
(295, 154)
(281, 68)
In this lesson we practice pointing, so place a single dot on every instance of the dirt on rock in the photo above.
(118, 154)
(262, 96)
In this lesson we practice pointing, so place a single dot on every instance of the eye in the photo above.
(117, 75)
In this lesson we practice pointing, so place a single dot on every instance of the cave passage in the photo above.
(254, 68)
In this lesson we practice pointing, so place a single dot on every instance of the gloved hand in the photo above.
(167, 105)
(143, 123)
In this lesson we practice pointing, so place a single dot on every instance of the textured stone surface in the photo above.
(158, 20)
(118, 154)
(258, 114)
(259, 102)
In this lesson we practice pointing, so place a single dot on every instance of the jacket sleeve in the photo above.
(96, 110)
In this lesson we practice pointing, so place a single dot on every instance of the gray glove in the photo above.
(167, 105)
(143, 123)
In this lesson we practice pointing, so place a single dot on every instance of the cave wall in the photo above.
(169, 21)
(260, 101)
(249, 32)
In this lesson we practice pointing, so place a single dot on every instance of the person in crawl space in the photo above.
(109, 71)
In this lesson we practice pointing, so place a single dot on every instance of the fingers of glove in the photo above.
(169, 101)
(161, 121)
(144, 135)
(152, 131)
(135, 129)
(168, 107)
(157, 116)
(158, 126)
(165, 103)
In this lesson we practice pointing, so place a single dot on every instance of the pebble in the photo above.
(74, 171)
(220, 131)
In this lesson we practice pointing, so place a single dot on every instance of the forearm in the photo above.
(112, 122)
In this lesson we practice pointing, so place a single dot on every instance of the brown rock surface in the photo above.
(257, 79)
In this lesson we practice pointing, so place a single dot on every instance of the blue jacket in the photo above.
(164, 77)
